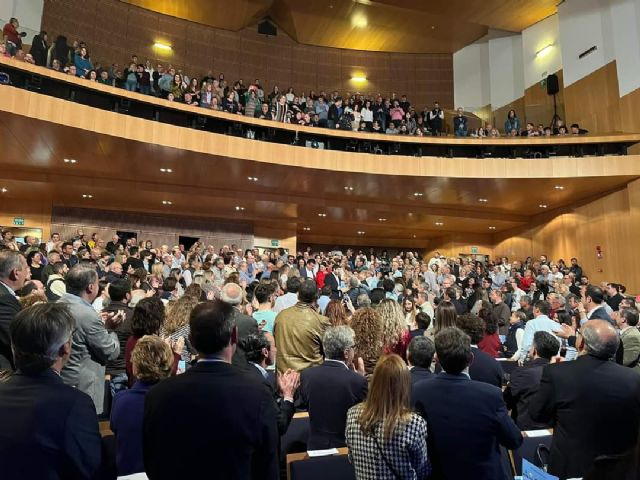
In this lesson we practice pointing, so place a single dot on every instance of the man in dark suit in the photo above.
(593, 308)
(332, 280)
(232, 294)
(260, 350)
(49, 429)
(332, 388)
(483, 367)
(419, 357)
(120, 295)
(468, 421)
(525, 380)
(113, 245)
(593, 403)
(133, 260)
(14, 272)
(228, 417)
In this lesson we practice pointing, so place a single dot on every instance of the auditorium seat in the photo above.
(334, 467)
(295, 440)
(528, 450)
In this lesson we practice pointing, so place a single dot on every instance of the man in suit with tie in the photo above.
(14, 272)
(49, 429)
(483, 367)
(332, 280)
(260, 350)
(419, 357)
(592, 307)
(468, 421)
(309, 272)
(629, 350)
(228, 417)
(594, 403)
(330, 389)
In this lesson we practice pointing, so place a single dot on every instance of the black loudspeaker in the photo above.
(553, 84)
(267, 28)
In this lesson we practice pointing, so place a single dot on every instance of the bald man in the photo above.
(593, 402)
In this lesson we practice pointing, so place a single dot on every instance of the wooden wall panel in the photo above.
(538, 105)
(114, 30)
(500, 115)
(594, 101)
(36, 213)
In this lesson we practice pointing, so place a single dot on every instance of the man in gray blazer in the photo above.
(629, 351)
(94, 342)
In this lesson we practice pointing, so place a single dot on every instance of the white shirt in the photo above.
(285, 301)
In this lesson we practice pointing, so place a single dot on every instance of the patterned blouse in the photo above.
(406, 452)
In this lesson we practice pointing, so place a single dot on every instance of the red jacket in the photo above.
(320, 279)
(491, 345)
(11, 33)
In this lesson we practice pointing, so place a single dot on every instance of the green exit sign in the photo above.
(474, 249)
(275, 243)
(18, 221)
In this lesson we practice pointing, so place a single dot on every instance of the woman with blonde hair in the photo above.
(386, 439)
(367, 325)
(176, 324)
(394, 330)
(152, 361)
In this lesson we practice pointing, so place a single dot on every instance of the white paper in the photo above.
(537, 433)
(135, 476)
(323, 453)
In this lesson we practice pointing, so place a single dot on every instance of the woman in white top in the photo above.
(366, 115)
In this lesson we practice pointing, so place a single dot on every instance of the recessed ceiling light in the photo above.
(361, 232)
(543, 205)
(87, 195)
(252, 179)
(167, 202)
(492, 228)
(414, 236)
(3, 190)
(559, 187)
(418, 194)
(306, 229)
(410, 214)
(439, 224)
(239, 208)
(483, 200)
(382, 219)
(70, 160)
(322, 214)
(166, 170)
(348, 188)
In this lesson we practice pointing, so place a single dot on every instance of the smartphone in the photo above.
(182, 367)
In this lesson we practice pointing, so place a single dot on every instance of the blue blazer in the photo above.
(467, 423)
(126, 424)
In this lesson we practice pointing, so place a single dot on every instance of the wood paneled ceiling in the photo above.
(408, 26)
(122, 174)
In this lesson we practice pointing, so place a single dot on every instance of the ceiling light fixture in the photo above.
(544, 51)
(306, 229)
(543, 205)
(167, 202)
(559, 187)
(382, 219)
(322, 214)
(418, 194)
(483, 200)
(414, 236)
(359, 20)
(87, 195)
(492, 228)
(3, 190)
(70, 160)
(439, 224)
(252, 179)
(348, 188)
(166, 170)
(162, 46)
(239, 208)
(361, 232)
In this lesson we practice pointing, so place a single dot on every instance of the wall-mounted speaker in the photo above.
(553, 84)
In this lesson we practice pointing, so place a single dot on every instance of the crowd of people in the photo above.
(393, 115)
(395, 357)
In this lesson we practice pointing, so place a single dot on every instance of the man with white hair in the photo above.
(233, 294)
(14, 272)
(593, 402)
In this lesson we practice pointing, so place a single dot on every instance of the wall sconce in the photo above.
(162, 46)
(544, 51)
(359, 78)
